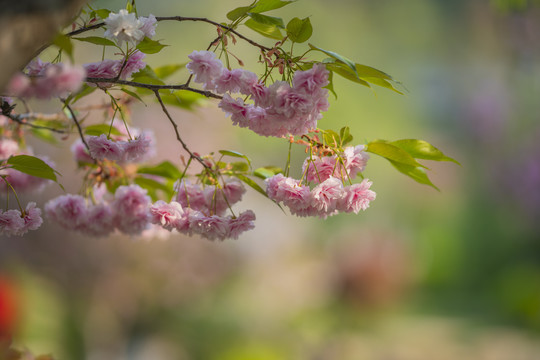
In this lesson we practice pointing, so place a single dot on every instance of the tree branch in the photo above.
(178, 137)
(74, 118)
(153, 87)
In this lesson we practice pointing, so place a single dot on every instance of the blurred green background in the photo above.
(420, 275)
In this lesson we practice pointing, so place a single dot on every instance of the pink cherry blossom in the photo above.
(69, 211)
(148, 25)
(133, 64)
(230, 81)
(356, 197)
(205, 67)
(131, 209)
(102, 148)
(190, 195)
(99, 221)
(236, 108)
(165, 214)
(32, 219)
(8, 147)
(138, 148)
(311, 80)
(355, 159)
(80, 153)
(11, 222)
(124, 26)
(242, 223)
(326, 195)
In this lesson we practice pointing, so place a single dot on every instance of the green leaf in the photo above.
(152, 186)
(416, 173)
(235, 154)
(147, 76)
(336, 56)
(392, 152)
(34, 166)
(183, 99)
(267, 5)
(267, 171)
(330, 85)
(98, 129)
(345, 135)
(251, 184)
(368, 71)
(133, 94)
(164, 169)
(63, 42)
(96, 40)
(85, 90)
(103, 13)
(330, 137)
(239, 166)
(149, 46)
(421, 149)
(165, 71)
(270, 31)
(298, 30)
(344, 71)
(267, 20)
(238, 12)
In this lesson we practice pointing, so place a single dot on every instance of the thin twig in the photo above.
(178, 137)
(22, 121)
(178, 18)
(153, 87)
(74, 118)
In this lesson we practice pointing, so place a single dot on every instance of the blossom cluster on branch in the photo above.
(122, 193)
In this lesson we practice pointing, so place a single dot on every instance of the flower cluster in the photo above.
(342, 166)
(15, 222)
(116, 147)
(277, 110)
(189, 221)
(46, 80)
(21, 182)
(210, 199)
(125, 26)
(110, 69)
(127, 212)
(330, 196)
(131, 212)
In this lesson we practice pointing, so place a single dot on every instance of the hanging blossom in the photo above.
(125, 26)
(277, 110)
(109, 69)
(130, 211)
(345, 165)
(329, 196)
(116, 147)
(46, 80)
(17, 223)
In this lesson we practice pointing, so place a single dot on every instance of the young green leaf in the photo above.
(345, 135)
(103, 13)
(421, 149)
(98, 129)
(392, 152)
(270, 31)
(152, 186)
(416, 173)
(149, 46)
(133, 94)
(368, 71)
(267, 5)
(267, 20)
(238, 12)
(165, 71)
(345, 71)
(85, 90)
(96, 40)
(183, 99)
(32, 165)
(336, 56)
(267, 171)
(235, 154)
(63, 42)
(164, 169)
(330, 137)
(252, 184)
(298, 30)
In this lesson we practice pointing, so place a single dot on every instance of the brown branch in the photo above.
(178, 137)
(153, 87)
(178, 18)
(74, 118)
(22, 121)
